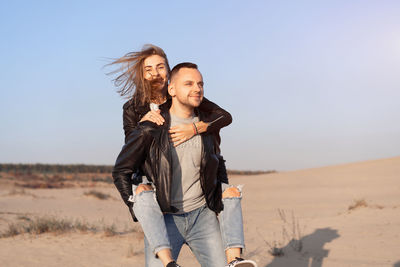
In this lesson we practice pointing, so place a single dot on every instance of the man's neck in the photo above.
(181, 111)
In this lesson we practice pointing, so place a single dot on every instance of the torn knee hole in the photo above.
(142, 188)
(231, 192)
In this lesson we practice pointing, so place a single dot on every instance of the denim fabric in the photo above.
(199, 229)
(231, 222)
(150, 217)
(152, 221)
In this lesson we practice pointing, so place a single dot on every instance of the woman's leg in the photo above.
(231, 222)
(149, 215)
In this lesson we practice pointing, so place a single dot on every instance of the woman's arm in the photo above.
(130, 118)
(132, 115)
(216, 119)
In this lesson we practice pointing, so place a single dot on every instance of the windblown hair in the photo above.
(130, 81)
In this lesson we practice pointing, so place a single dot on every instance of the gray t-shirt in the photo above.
(186, 194)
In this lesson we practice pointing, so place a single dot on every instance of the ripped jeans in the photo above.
(152, 220)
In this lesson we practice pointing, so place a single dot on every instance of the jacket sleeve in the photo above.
(216, 116)
(130, 158)
(221, 172)
(130, 119)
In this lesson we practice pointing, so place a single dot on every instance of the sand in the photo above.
(315, 201)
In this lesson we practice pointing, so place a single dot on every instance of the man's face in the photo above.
(187, 87)
(155, 71)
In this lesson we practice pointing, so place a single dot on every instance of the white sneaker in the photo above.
(239, 262)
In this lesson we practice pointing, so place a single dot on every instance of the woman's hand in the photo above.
(153, 116)
(181, 133)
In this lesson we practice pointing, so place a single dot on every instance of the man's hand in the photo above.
(181, 133)
(153, 116)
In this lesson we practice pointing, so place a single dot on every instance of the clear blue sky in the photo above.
(309, 83)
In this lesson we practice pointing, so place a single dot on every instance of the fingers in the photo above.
(174, 128)
(183, 128)
(181, 133)
(179, 142)
(154, 116)
(177, 138)
(157, 116)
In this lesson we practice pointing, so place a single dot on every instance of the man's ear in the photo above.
(171, 90)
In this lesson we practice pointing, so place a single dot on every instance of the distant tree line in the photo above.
(55, 168)
(236, 172)
(83, 168)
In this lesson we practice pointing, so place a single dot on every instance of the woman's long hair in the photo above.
(130, 81)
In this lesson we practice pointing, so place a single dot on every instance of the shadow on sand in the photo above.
(312, 254)
(397, 264)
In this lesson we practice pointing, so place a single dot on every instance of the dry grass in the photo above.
(291, 234)
(20, 192)
(37, 179)
(357, 203)
(40, 225)
(110, 230)
(97, 194)
(23, 218)
(43, 184)
(134, 251)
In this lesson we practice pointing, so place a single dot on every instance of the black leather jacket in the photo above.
(147, 147)
(214, 115)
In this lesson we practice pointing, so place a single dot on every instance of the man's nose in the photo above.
(197, 88)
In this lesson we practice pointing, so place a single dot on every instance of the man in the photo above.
(124, 168)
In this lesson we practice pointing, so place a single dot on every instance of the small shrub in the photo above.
(48, 224)
(41, 225)
(290, 233)
(12, 230)
(97, 194)
(107, 179)
(358, 203)
(134, 251)
(110, 230)
(23, 218)
(275, 249)
(84, 227)
(20, 192)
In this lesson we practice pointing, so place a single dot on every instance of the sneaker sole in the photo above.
(246, 264)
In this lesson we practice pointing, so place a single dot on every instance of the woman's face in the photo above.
(155, 71)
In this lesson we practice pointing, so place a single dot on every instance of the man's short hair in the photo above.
(179, 66)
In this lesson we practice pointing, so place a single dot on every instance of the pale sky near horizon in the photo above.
(308, 83)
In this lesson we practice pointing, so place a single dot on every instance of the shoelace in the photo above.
(236, 260)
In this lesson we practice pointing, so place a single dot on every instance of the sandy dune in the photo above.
(319, 199)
